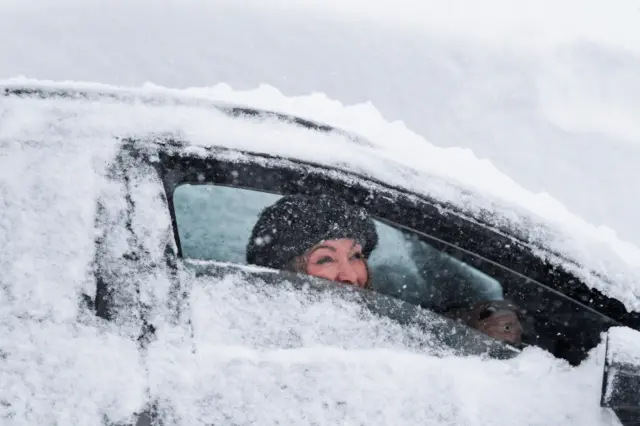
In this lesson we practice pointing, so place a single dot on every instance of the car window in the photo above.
(430, 277)
(214, 223)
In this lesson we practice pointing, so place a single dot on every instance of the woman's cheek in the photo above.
(322, 271)
(363, 272)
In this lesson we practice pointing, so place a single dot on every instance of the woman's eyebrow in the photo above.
(322, 247)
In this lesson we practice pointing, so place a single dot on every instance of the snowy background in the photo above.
(534, 103)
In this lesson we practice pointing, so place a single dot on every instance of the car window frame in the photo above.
(411, 212)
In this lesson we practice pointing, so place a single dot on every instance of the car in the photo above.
(175, 211)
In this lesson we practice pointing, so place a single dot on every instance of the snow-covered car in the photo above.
(176, 194)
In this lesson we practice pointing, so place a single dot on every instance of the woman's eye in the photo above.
(357, 256)
(323, 260)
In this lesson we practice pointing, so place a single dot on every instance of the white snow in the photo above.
(67, 374)
(624, 345)
(323, 361)
(452, 175)
(546, 92)
(55, 366)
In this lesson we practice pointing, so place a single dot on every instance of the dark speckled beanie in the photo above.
(296, 223)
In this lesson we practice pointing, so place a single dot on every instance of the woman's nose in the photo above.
(347, 274)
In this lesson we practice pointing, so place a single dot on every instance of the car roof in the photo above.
(106, 111)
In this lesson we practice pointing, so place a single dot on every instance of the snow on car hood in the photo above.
(339, 367)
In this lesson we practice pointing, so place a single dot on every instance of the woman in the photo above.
(321, 236)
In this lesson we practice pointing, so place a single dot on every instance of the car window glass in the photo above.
(215, 223)
(430, 277)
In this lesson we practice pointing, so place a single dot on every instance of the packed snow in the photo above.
(624, 342)
(458, 76)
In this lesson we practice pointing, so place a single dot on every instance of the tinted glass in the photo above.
(215, 223)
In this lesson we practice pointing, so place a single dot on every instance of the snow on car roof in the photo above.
(394, 155)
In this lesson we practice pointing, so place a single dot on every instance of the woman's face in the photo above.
(338, 260)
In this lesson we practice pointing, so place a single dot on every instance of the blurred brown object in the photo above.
(498, 319)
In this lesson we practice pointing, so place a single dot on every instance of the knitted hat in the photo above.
(296, 223)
